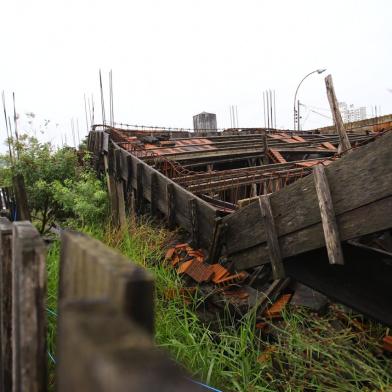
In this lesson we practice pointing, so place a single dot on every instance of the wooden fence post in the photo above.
(113, 354)
(23, 212)
(5, 305)
(89, 269)
(28, 309)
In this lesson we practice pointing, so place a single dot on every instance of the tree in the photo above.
(49, 174)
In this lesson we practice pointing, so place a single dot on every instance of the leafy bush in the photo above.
(83, 199)
(58, 186)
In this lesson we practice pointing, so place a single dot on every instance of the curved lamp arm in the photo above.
(319, 71)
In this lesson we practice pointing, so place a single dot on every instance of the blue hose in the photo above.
(205, 386)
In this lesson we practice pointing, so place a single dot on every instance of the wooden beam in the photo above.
(171, 218)
(23, 212)
(213, 252)
(154, 193)
(272, 237)
(337, 118)
(328, 220)
(297, 212)
(139, 188)
(194, 222)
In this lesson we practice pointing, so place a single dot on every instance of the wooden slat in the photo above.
(337, 118)
(272, 237)
(5, 305)
(171, 208)
(296, 209)
(23, 212)
(330, 227)
(194, 222)
(154, 194)
(28, 309)
(101, 350)
(139, 188)
(90, 270)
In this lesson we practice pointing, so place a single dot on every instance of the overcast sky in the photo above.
(173, 59)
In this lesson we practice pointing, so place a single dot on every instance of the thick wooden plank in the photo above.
(122, 220)
(28, 309)
(139, 188)
(272, 237)
(154, 193)
(90, 270)
(113, 354)
(171, 206)
(114, 208)
(194, 222)
(5, 305)
(337, 118)
(23, 212)
(296, 206)
(352, 224)
(327, 213)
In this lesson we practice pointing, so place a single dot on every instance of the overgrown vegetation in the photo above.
(60, 185)
(307, 353)
(310, 352)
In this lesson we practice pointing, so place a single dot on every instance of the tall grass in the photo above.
(310, 353)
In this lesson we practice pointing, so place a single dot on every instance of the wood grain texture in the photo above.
(5, 305)
(28, 309)
(327, 213)
(337, 118)
(113, 353)
(22, 206)
(297, 214)
(90, 270)
(272, 237)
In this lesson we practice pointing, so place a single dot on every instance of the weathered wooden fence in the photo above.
(133, 184)
(105, 318)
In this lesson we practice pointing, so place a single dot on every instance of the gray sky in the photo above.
(174, 58)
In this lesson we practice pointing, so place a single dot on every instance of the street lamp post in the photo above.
(319, 71)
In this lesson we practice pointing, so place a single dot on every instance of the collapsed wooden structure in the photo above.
(251, 198)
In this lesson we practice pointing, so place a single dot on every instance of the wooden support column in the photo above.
(328, 220)
(22, 207)
(5, 305)
(194, 222)
(271, 237)
(154, 193)
(171, 217)
(28, 309)
(337, 118)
